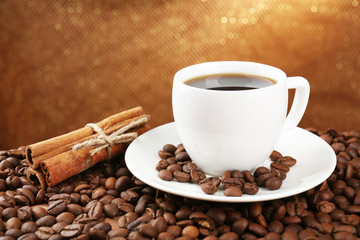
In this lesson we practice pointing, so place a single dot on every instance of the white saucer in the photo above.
(315, 162)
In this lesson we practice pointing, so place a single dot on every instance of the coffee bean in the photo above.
(56, 207)
(180, 148)
(181, 176)
(96, 210)
(191, 231)
(13, 222)
(325, 206)
(129, 195)
(257, 229)
(106, 227)
(165, 236)
(40, 196)
(278, 173)
(250, 188)
(197, 175)
(59, 237)
(6, 201)
(162, 164)
(24, 213)
(47, 221)
(287, 161)
(122, 183)
(111, 210)
(166, 175)
(351, 219)
(171, 161)
(275, 226)
(273, 183)
(44, 232)
(260, 171)
(188, 167)
(207, 186)
(182, 157)
(13, 182)
(218, 215)
(173, 167)
(5, 164)
(261, 179)
(248, 177)
(71, 231)
(280, 167)
(232, 236)
(66, 217)
(160, 224)
(125, 207)
(118, 232)
(232, 182)
(98, 193)
(170, 148)
(202, 220)
(29, 227)
(15, 233)
(164, 154)
(343, 236)
(26, 193)
(147, 230)
(28, 236)
(233, 191)
(75, 209)
(8, 213)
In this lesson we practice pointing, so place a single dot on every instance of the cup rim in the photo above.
(221, 67)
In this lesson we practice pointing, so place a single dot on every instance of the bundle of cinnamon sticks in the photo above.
(57, 159)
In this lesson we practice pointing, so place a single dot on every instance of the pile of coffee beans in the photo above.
(176, 164)
(108, 202)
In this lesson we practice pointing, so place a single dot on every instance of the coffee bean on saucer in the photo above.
(248, 177)
(174, 167)
(188, 167)
(209, 186)
(280, 167)
(260, 171)
(233, 191)
(162, 164)
(275, 155)
(182, 157)
(180, 148)
(164, 155)
(229, 182)
(197, 175)
(225, 175)
(166, 175)
(250, 188)
(287, 161)
(261, 179)
(169, 148)
(273, 183)
(278, 173)
(181, 176)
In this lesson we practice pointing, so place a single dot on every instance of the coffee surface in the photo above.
(230, 82)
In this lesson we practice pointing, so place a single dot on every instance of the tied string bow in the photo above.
(107, 141)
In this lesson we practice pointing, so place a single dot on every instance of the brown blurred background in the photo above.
(66, 63)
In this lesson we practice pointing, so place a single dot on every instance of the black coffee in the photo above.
(230, 82)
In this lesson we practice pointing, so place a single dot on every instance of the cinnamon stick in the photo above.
(37, 149)
(36, 177)
(37, 160)
(65, 165)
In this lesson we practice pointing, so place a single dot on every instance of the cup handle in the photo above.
(302, 92)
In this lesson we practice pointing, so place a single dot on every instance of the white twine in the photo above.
(107, 141)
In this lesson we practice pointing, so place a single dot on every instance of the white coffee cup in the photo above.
(234, 130)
